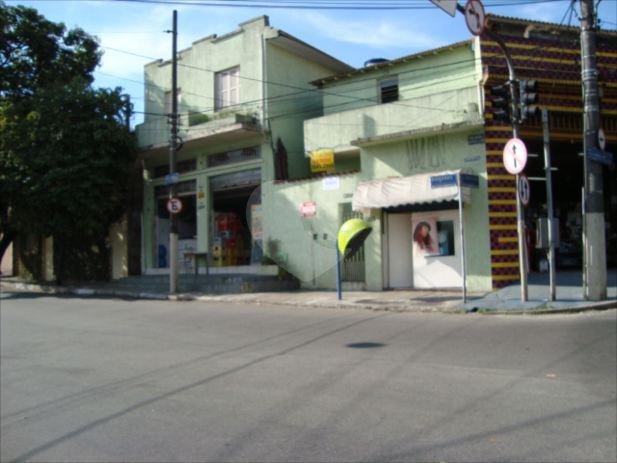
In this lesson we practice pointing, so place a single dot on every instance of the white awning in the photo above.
(416, 189)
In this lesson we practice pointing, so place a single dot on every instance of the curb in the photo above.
(541, 309)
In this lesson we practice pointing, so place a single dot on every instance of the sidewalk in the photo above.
(504, 301)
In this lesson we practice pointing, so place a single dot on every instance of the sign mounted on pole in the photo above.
(174, 205)
(515, 156)
(475, 17)
(449, 6)
(524, 189)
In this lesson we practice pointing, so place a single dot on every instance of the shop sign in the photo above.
(322, 161)
(331, 183)
(308, 209)
(257, 228)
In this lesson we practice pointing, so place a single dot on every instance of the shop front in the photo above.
(423, 228)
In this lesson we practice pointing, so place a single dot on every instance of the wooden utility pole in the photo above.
(594, 241)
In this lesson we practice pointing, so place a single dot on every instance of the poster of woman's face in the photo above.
(425, 236)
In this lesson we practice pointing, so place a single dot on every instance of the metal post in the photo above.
(549, 204)
(595, 280)
(520, 222)
(460, 218)
(338, 271)
(173, 222)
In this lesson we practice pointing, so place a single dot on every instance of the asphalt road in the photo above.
(111, 380)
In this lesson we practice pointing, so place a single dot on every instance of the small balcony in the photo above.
(196, 129)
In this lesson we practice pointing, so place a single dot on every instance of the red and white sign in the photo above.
(475, 17)
(308, 209)
(174, 205)
(524, 189)
(515, 156)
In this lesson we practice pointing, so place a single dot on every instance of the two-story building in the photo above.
(395, 134)
(242, 98)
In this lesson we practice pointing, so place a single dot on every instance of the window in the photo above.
(231, 157)
(168, 101)
(227, 91)
(445, 237)
(388, 90)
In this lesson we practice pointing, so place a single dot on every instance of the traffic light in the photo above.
(500, 97)
(527, 99)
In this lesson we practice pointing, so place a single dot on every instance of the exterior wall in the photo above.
(6, 266)
(396, 139)
(118, 238)
(275, 111)
(304, 246)
(555, 66)
(434, 154)
(291, 102)
(197, 66)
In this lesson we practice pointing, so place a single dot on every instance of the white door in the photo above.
(436, 249)
(399, 251)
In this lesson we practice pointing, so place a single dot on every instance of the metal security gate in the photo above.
(352, 268)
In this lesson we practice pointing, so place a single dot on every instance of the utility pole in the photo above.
(173, 222)
(594, 243)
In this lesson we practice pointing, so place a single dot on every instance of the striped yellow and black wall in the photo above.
(555, 65)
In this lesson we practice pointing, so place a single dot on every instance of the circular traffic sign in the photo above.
(524, 189)
(174, 205)
(515, 156)
(475, 17)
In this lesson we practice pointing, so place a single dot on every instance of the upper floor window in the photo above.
(168, 101)
(227, 91)
(388, 90)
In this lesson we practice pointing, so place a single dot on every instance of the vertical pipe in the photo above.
(173, 222)
(339, 291)
(460, 218)
(549, 203)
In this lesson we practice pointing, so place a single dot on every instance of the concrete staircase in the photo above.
(207, 284)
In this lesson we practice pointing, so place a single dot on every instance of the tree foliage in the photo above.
(65, 153)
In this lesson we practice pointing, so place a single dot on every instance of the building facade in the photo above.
(242, 98)
(424, 118)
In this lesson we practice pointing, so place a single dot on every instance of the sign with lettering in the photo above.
(322, 161)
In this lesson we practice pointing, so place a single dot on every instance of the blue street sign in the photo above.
(470, 180)
(601, 156)
(438, 181)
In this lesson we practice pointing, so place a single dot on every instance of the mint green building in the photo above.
(242, 99)
(413, 122)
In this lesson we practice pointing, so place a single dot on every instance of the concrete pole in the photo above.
(594, 255)
(173, 221)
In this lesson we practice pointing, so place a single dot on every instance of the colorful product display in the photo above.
(228, 243)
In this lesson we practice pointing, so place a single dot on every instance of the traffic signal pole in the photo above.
(520, 222)
(594, 241)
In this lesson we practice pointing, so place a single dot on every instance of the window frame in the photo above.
(387, 84)
(222, 96)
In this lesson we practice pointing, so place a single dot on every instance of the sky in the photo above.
(129, 28)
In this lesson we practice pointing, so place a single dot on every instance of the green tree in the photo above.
(65, 152)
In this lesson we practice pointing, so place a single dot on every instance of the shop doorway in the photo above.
(567, 199)
(236, 220)
(187, 225)
(423, 250)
